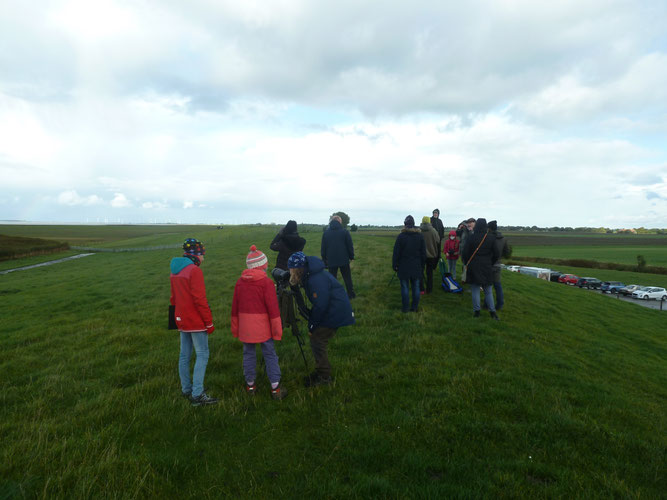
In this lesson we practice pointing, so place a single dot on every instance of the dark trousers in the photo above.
(347, 277)
(319, 339)
(431, 264)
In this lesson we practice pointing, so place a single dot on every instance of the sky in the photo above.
(226, 112)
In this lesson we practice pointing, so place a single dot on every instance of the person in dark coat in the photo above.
(503, 251)
(437, 224)
(432, 242)
(479, 254)
(331, 310)
(286, 242)
(337, 252)
(408, 261)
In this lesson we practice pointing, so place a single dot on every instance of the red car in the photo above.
(568, 279)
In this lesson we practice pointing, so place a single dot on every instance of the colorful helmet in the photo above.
(194, 247)
(296, 260)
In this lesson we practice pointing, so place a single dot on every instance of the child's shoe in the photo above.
(250, 389)
(279, 392)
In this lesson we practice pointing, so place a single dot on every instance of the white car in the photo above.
(514, 269)
(650, 293)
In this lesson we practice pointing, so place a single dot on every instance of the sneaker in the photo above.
(315, 379)
(250, 390)
(203, 400)
(475, 314)
(279, 392)
(188, 395)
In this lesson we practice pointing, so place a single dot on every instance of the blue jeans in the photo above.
(200, 342)
(488, 297)
(452, 268)
(500, 297)
(270, 361)
(405, 294)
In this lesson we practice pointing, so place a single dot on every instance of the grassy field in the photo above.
(12, 247)
(565, 397)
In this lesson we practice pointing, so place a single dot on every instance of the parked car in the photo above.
(555, 275)
(514, 269)
(627, 290)
(568, 279)
(650, 293)
(611, 286)
(589, 283)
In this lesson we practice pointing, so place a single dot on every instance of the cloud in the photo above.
(120, 201)
(154, 205)
(188, 204)
(72, 198)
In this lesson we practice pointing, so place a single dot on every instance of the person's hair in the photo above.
(296, 273)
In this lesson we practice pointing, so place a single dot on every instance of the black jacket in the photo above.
(438, 226)
(409, 254)
(336, 249)
(286, 244)
(480, 269)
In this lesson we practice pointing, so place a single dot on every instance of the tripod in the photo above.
(290, 301)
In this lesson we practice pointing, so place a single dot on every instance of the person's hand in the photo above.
(210, 329)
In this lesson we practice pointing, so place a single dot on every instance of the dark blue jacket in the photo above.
(331, 306)
(409, 254)
(337, 249)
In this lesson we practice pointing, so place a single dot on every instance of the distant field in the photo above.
(654, 255)
(565, 397)
(12, 247)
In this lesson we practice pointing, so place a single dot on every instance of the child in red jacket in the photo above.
(451, 252)
(256, 320)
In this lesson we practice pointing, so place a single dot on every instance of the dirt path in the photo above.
(58, 261)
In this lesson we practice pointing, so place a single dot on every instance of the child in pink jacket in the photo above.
(256, 320)
(451, 252)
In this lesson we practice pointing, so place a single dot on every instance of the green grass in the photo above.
(12, 247)
(565, 397)
(655, 255)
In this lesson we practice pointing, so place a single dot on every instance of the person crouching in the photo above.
(256, 320)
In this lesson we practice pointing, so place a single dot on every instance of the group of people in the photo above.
(255, 314)
(417, 251)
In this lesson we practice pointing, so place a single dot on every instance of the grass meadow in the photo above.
(566, 396)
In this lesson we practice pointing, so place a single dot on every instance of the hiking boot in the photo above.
(250, 390)
(315, 379)
(203, 400)
(475, 314)
(279, 392)
(494, 315)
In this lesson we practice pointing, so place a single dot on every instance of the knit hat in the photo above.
(256, 259)
(409, 221)
(296, 260)
(192, 246)
(426, 219)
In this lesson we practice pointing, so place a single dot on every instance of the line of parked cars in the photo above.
(635, 291)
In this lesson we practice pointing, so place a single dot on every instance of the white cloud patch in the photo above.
(120, 201)
(72, 198)
(188, 204)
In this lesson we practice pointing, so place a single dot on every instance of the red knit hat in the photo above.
(256, 259)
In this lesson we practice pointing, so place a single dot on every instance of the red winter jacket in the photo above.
(451, 245)
(255, 311)
(188, 294)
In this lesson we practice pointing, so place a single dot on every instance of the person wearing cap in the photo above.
(337, 252)
(437, 224)
(193, 319)
(286, 242)
(464, 230)
(331, 310)
(408, 261)
(432, 242)
(256, 320)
